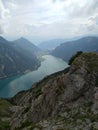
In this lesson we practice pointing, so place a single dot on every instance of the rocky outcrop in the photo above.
(67, 100)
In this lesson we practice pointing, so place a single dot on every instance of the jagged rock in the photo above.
(64, 100)
(95, 105)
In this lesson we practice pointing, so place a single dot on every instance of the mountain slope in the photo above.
(51, 44)
(26, 46)
(67, 100)
(13, 62)
(67, 49)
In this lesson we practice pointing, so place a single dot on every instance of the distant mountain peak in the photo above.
(26, 45)
(51, 44)
(22, 39)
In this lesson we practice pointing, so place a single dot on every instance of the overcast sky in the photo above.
(48, 18)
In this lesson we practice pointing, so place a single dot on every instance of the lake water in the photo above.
(10, 86)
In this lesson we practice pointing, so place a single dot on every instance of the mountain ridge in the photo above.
(12, 61)
(51, 44)
(67, 49)
(25, 44)
(64, 100)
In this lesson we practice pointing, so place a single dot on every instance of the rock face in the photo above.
(67, 100)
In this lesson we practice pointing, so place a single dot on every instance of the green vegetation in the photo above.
(74, 57)
(4, 125)
(4, 114)
(89, 61)
(4, 106)
(92, 61)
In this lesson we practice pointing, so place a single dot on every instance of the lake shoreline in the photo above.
(66, 70)
(10, 86)
(20, 74)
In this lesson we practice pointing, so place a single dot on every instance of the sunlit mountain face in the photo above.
(40, 20)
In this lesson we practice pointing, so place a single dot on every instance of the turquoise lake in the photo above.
(12, 85)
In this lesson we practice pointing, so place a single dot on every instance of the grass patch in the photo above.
(88, 60)
(4, 108)
(4, 125)
(4, 113)
(74, 57)
(4, 104)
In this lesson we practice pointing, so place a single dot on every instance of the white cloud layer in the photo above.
(48, 18)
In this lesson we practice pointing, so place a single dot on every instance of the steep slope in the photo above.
(51, 44)
(26, 46)
(67, 49)
(67, 100)
(13, 62)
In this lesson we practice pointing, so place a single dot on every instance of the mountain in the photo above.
(13, 62)
(67, 49)
(26, 46)
(66, 100)
(51, 44)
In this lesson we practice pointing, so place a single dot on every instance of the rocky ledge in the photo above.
(67, 100)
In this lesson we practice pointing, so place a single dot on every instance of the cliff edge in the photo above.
(67, 100)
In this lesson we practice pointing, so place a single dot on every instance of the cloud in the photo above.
(86, 8)
(1, 31)
(48, 18)
(58, 0)
(4, 17)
